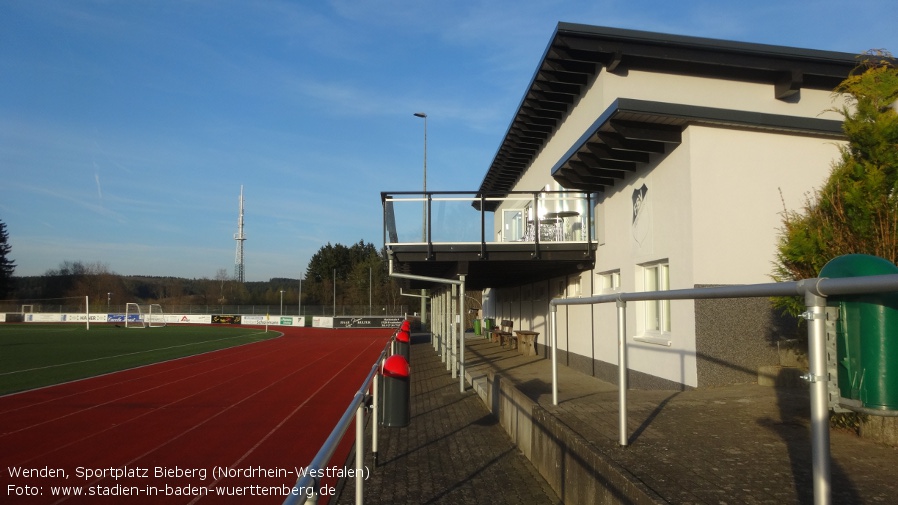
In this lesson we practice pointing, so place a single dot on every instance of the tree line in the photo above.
(337, 274)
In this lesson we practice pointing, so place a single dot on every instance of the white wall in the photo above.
(740, 183)
(712, 210)
(718, 93)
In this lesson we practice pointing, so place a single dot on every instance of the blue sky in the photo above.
(128, 127)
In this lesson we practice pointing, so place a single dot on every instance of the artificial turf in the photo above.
(35, 355)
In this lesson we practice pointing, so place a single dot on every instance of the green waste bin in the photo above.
(866, 334)
(488, 324)
(477, 327)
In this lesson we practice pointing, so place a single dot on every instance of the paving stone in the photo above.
(452, 452)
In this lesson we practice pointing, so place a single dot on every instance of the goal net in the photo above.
(144, 316)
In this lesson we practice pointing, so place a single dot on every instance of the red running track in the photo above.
(262, 409)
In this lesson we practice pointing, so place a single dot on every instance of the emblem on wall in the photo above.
(641, 224)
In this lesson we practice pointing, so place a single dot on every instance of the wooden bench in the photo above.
(503, 334)
(527, 341)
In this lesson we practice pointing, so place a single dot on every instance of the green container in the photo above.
(866, 334)
(489, 324)
(477, 327)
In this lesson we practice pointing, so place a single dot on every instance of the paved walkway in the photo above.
(734, 445)
(452, 452)
(740, 444)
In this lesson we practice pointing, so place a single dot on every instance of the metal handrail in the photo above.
(814, 290)
(307, 486)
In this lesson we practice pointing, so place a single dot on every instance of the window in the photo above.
(656, 277)
(513, 225)
(609, 282)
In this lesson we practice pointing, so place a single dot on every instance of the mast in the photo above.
(240, 238)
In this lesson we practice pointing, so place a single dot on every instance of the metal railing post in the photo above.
(444, 353)
(435, 322)
(817, 377)
(554, 322)
(461, 340)
(622, 385)
(360, 454)
(375, 411)
(452, 333)
(447, 352)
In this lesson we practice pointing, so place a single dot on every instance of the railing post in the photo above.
(442, 337)
(817, 377)
(622, 386)
(375, 390)
(536, 229)
(445, 337)
(435, 322)
(452, 310)
(461, 340)
(553, 316)
(360, 454)
(313, 496)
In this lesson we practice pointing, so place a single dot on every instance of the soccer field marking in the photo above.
(46, 421)
(216, 415)
(285, 419)
(70, 363)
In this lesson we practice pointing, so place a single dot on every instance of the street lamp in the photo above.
(282, 302)
(424, 224)
(108, 301)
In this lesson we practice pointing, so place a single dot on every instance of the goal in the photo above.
(144, 316)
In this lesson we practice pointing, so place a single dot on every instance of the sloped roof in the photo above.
(577, 53)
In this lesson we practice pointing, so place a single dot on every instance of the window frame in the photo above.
(654, 316)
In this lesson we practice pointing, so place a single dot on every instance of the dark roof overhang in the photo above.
(577, 53)
(629, 132)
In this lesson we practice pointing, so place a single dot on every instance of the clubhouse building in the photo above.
(637, 161)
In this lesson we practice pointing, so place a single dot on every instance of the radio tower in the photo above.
(239, 237)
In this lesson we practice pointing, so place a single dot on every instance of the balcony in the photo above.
(498, 240)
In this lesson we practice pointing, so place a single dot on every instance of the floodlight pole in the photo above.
(424, 223)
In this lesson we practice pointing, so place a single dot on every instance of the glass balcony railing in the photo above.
(452, 217)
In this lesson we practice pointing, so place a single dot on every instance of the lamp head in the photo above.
(420, 114)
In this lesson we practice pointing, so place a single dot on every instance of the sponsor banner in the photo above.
(226, 319)
(80, 318)
(258, 320)
(3, 317)
(322, 322)
(116, 318)
(188, 319)
(368, 322)
(44, 318)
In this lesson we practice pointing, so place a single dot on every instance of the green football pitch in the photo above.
(33, 355)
